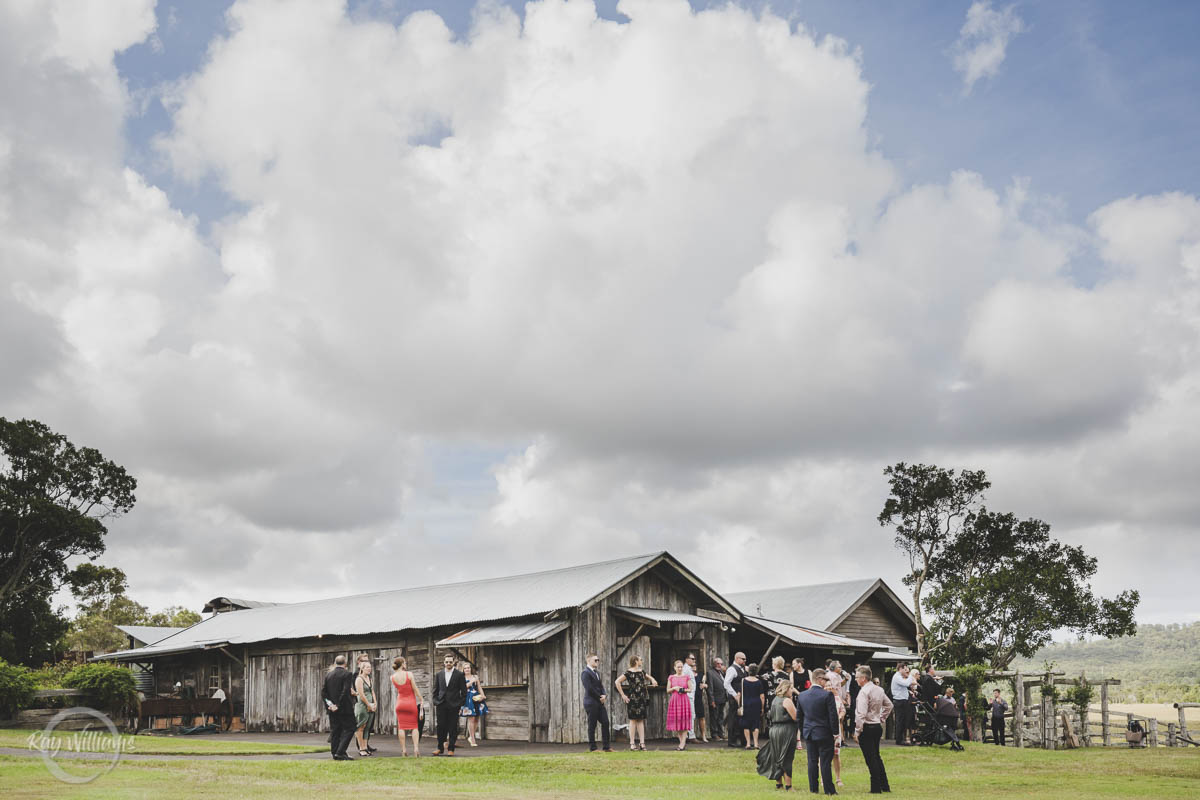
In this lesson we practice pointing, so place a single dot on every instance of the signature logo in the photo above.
(99, 741)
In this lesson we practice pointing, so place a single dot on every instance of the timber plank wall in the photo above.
(872, 622)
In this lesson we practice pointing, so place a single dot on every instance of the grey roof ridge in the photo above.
(456, 583)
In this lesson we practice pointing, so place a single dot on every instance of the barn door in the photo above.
(539, 689)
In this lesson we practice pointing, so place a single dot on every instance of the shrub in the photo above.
(50, 676)
(107, 686)
(16, 688)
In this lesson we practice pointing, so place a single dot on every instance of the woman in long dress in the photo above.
(408, 703)
(837, 748)
(775, 760)
(632, 686)
(475, 706)
(679, 708)
(364, 705)
(750, 711)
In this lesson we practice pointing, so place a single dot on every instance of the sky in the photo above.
(377, 294)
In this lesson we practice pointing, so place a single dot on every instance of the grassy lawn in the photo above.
(163, 745)
(915, 773)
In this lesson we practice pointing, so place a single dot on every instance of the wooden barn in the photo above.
(856, 622)
(527, 635)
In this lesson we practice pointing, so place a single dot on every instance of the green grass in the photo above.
(162, 745)
(916, 774)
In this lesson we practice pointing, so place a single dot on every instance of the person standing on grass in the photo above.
(689, 669)
(776, 759)
(449, 694)
(852, 679)
(408, 706)
(364, 705)
(997, 711)
(751, 709)
(871, 710)
(817, 717)
(595, 703)
(633, 686)
(716, 699)
(733, 693)
(903, 683)
(700, 701)
(339, 682)
(679, 704)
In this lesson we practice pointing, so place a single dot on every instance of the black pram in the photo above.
(935, 730)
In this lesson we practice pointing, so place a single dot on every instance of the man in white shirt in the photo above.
(903, 683)
(733, 694)
(871, 710)
(689, 669)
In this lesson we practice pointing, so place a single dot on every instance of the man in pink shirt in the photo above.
(871, 710)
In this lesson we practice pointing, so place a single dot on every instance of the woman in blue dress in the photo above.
(475, 705)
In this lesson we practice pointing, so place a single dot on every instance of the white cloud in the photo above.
(659, 263)
(983, 41)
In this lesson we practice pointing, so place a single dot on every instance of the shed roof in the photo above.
(821, 606)
(797, 636)
(505, 633)
(659, 616)
(490, 600)
(148, 634)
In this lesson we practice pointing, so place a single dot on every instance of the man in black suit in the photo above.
(449, 694)
(595, 702)
(340, 705)
(816, 715)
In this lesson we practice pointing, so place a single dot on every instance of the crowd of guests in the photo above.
(776, 709)
(351, 701)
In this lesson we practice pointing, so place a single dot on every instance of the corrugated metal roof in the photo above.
(510, 633)
(888, 655)
(216, 602)
(806, 636)
(488, 600)
(819, 606)
(148, 634)
(657, 616)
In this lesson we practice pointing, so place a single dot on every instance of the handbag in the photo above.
(420, 720)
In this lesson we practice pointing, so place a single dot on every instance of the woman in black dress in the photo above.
(633, 687)
(750, 712)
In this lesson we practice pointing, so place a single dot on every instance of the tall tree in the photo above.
(929, 507)
(1000, 589)
(54, 499)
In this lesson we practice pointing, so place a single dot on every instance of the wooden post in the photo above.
(1105, 730)
(1171, 742)
(1018, 711)
(1154, 732)
(1183, 730)
(1069, 737)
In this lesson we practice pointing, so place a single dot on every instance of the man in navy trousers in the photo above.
(595, 703)
(816, 715)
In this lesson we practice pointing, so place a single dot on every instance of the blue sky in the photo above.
(1094, 101)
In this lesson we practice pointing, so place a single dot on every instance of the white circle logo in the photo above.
(89, 740)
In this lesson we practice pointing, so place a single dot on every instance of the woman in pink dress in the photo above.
(679, 707)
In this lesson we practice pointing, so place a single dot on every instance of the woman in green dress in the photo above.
(364, 706)
(775, 760)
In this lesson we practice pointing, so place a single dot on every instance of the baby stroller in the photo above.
(934, 731)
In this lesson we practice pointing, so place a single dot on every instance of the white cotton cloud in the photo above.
(655, 273)
(983, 41)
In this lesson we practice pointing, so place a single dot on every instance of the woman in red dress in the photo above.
(408, 700)
(679, 708)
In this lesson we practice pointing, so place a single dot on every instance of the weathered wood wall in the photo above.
(872, 622)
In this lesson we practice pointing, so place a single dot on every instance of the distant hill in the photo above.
(1160, 664)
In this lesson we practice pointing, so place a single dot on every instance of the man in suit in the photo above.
(716, 699)
(816, 716)
(595, 703)
(449, 694)
(340, 706)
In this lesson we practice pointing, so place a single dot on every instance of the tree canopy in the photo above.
(988, 587)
